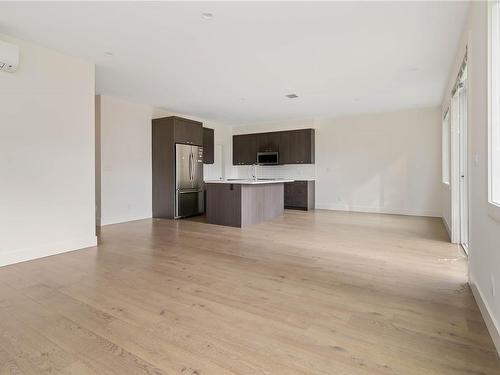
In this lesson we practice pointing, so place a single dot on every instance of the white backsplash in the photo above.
(212, 172)
(292, 171)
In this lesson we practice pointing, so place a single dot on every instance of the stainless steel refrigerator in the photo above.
(188, 180)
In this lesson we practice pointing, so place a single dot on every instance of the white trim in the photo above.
(490, 89)
(447, 227)
(464, 165)
(454, 170)
(493, 208)
(493, 211)
(486, 312)
(380, 210)
(445, 148)
(23, 255)
(118, 220)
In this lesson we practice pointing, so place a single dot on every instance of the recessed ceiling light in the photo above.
(291, 96)
(207, 16)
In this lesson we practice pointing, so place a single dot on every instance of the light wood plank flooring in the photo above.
(311, 293)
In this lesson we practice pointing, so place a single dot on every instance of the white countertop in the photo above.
(248, 182)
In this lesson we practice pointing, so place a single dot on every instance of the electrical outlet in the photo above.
(493, 289)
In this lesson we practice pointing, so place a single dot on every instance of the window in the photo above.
(446, 149)
(494, 105)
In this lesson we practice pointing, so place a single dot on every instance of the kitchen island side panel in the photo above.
(261, 202)
(223, 205)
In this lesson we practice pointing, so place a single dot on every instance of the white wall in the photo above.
(484, 246)
(47, 155)
(124, 133)
(123, 163)
(386, 162)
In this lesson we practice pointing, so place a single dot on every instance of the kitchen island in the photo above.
(239, 203)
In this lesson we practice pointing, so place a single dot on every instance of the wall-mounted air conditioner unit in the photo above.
(9, 57)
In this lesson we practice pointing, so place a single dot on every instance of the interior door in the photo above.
(463, 168)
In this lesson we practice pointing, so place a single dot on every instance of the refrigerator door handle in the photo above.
(189, 191)
(194, 168)
(190, 167)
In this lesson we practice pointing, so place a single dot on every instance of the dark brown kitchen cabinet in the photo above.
(187, 131)
(165, 133)
(285, 155)
(301, 143)
(297, 146)
(300, 195)
(268, 142)
(293, 146)
(245, 149)
(208, 146)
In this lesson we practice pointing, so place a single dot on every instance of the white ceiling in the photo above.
(340, 58)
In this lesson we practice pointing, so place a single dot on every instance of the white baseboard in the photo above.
(447, 227)
(379, 210)
(489, 318)
(122, 219)
(45, 250)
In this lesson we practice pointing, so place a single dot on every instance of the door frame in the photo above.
(464, 168)
(460, 186)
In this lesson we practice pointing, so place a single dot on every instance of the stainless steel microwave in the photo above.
(267, 158)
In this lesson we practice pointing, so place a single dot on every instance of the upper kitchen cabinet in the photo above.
(187, 131)
(285, 155)
(297, 147)
(293, 146)
(268, 142)
(301, 147)
(208, 146)
(245, 149)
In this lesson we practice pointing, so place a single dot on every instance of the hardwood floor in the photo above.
(317, 292)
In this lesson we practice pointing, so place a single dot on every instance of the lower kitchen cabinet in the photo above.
(300, 195)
